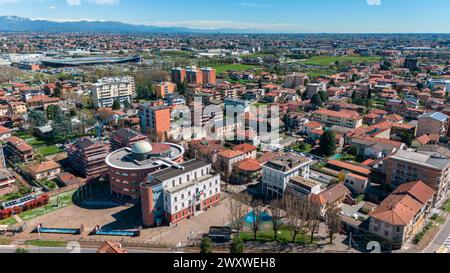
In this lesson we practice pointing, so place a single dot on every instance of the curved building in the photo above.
(129, 167)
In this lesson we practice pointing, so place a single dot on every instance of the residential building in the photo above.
(433, 123)
(225, 161)
(406, 166)
(403, 214)
(302, 188)
(278, 172)
(5, 133)
(178, 75)
(334, 196)
(107, 90)
(164, 88)
(7, 182)
(44, 171)
(17, 108)
(295, 80)
(18, 149)
(179, 192)
(194, 75)
(356, 183)
(343, 118)
(246, 171)
(314, 88)
(209, 75)
(155, 121)
(205, 149)
(87, 158)
(125, 138)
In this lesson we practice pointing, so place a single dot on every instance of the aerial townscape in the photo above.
(124, 138)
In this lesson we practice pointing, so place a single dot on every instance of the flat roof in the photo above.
(188, 166)
(121, 159)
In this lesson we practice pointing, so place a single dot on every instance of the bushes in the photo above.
(420, 235)
(36, 203)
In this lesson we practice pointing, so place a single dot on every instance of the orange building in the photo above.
(209, 75)
(155, 121)
(194, 75)
(178, 75)
(164, 88)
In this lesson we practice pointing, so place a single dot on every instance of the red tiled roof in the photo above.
(245, 148)
(230, 154)
(44, 167)
(350, 167)
(249, 165)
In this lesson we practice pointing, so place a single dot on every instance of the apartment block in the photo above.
(107, 90)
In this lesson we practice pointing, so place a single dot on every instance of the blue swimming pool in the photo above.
(59, 231)
(116, 233)
(264, 216)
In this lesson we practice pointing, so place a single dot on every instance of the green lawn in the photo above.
(447, 206)
(65, 199)
(232, 67)
(46, 243)
(284, 236)
(48, 150)
(8, 222)
(330, 60)
(33, 141)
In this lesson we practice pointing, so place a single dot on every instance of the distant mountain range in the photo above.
(20, 24)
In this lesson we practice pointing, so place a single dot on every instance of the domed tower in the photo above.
(141, 150)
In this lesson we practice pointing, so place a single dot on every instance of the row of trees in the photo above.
(299, 215)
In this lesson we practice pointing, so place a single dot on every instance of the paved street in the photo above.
(442, 238)
(63, 250)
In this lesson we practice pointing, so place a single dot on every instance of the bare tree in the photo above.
(314, 217)
(257, 207)
(333, 222)
(277, 213)
(296, 215)
(238, 209)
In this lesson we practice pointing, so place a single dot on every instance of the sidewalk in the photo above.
(440, 239)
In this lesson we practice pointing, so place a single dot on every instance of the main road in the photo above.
(441, 239)
(64, 250)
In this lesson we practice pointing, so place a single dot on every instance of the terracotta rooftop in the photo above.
(402, 205)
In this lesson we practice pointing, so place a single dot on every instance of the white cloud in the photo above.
(52, 7)
(252, 5)
(8, 1)
(221, 24)
(374, 2)
(73, 2)
(96, 2)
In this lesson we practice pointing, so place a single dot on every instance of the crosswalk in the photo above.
(447, 242)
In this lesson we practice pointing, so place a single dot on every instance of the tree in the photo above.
(296, 215)
(116, 105)
(238, 210)
(21, 250)
(333, 222)
(237, 246)
(37, 118)
(314, 218)
(317, 101)
(206, 245)
(55, 113)
(323, 96)
(126, 105)
(327, 146)
(182, 87)
(257, 206)
(276, 212)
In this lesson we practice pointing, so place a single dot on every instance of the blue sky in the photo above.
(265, 15)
